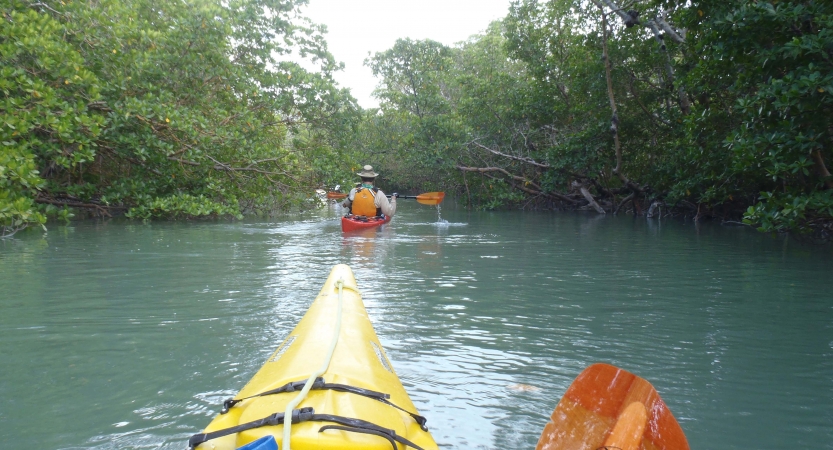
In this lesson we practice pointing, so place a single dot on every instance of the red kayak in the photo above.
(353, 223)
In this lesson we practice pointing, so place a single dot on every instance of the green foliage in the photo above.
(785, 212)
(167, 108)
(761, 122)
(411, 74)
(569, 105)
(195, 109)
(440, 105)
(181, 206)
(45, 92)
(409, 136)
(738, 106)
(525, 104)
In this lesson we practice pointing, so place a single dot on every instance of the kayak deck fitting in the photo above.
(357, 401)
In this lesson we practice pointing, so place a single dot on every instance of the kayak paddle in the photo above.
(428, 198)
(608, 407)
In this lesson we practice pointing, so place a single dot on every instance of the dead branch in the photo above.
(821, 169)
(7, 231)
(45, 6)
(631, 18)
(99, 106)
(183, 161)
(614, 120)
(516, 158)
(589, 197)
(102, 210)
(656, 204)
(625, 200)
(521, 187)
(497, 169)
(677, 37)
(485, 171)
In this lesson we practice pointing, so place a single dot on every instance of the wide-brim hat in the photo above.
(367, 172)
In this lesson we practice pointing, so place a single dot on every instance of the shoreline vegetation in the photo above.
(156, 109)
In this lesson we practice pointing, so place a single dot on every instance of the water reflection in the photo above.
(360, 245)
(135, 333)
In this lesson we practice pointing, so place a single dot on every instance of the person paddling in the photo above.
(367, 200)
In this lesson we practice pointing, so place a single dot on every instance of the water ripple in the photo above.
(138, 332)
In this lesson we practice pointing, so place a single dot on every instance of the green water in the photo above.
(127, 335)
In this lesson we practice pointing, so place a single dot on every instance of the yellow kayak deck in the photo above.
(358, 361)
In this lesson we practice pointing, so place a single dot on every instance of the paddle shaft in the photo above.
(428, 198)
(339, 195)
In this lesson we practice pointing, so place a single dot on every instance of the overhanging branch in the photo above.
(631, 18)
(516, 158)
(522, 187)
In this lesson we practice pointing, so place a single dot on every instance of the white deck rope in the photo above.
(287, 421)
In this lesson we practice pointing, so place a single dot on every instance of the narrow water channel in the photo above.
(119, 335)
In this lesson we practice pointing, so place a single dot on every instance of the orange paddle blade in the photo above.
(430, 198)
(629, 428)
(608, 406)
(336, 195)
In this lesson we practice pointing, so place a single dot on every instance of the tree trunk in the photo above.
(654, 25)
(821, 169)
(654, 206)
(588, 196)
(625, 200)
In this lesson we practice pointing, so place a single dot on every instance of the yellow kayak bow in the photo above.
(356, 402)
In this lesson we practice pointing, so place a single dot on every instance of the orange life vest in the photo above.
(364, 203)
